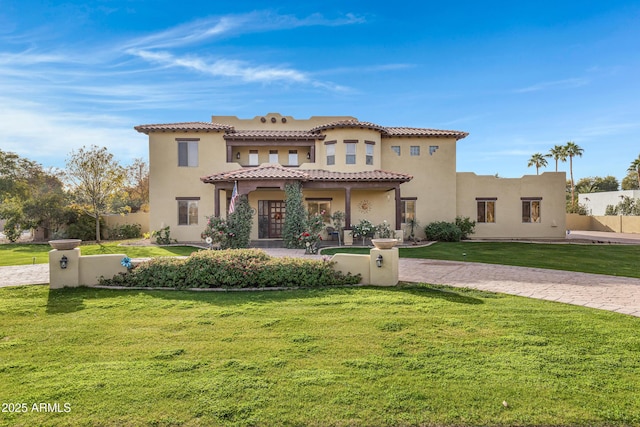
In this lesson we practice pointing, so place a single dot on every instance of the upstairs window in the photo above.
(331, 154)
(188, 153)
(273, 156)
(531, 209)
(253, 157)
(414, 150)
(293, 157)
(369, 153)
(351, 153)
(486, 209)
(396, 149)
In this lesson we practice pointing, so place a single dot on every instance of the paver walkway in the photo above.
(619, 294)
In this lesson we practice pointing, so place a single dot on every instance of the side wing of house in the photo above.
(514, 208)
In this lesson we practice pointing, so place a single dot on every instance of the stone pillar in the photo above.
(387, 274)
(70, 276)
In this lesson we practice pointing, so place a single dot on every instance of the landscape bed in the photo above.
(411, 355)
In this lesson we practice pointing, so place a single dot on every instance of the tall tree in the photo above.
(558, 152)
(573, 150)
(597, 184)
(95, 177)
(538, 160)
(635, 167)
(630, 182)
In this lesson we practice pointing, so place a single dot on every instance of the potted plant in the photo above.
(362, 230)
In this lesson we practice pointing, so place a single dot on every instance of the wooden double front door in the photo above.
(271, 215)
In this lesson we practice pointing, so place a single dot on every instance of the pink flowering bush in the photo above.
(233, 268)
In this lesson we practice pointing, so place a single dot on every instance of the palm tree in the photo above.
(635, 167)
(558, 152)
(572, 150)
(538, 160)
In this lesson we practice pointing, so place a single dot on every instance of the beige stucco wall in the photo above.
(82, 270)
(434, 176)
(616, 224)
(141, 218)
(550, 186)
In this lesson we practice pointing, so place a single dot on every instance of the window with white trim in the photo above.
(188, 153)
(351, 153)
(414, 150)
(331, 154)
(293, 157)
(273, 156)
(369, 153)
(253, 157)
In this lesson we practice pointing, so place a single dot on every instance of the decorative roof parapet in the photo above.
(349, 124)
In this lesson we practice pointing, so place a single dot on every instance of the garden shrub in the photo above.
(295, 218)
(443, 231)
(232, 268)
(125, 231)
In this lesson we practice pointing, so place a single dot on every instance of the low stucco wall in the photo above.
(82, 270)
(354, 264)
(616, 224)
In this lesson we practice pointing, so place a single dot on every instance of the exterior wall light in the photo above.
(379, 261)
(238, 155)
(309, 155)
(63, 262)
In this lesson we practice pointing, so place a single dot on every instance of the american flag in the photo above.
(234, 196)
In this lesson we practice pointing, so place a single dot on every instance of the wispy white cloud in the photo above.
(558, 84)
(230, 25)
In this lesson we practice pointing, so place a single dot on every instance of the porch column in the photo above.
(398, 208)
(347, 208)
(216, 202)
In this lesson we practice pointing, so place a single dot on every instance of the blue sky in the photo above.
(520, 77)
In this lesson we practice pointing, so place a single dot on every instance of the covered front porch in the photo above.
(373, 195)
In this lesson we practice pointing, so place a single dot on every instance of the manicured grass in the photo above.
(412, 355)
(620, 260)
(21, 254)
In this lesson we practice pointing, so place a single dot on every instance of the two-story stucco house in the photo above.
(366, 170)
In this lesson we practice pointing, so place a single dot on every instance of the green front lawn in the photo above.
(21, 254)
(412, 355)
(620, 260)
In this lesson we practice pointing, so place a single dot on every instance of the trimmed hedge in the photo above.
(232, 268)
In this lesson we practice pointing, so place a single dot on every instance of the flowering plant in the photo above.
(363, 229)
(311, 237)
(384, 230)
(218, 229)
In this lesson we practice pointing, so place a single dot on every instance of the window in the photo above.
(253, 157)
(396, 149)
(351, 153)
(187, 212)
(415, 150)
(273, 156)
(320, 206)
(486, 210)
(433, 149)
(369, 153)
(293, 157)
(331, 154)
(531, 210)
(188, 153)
(408, 210)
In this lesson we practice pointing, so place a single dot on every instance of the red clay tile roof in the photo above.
(275, 171)
(272, 135)
(186, 126)
(349, 124)
(405, 131)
